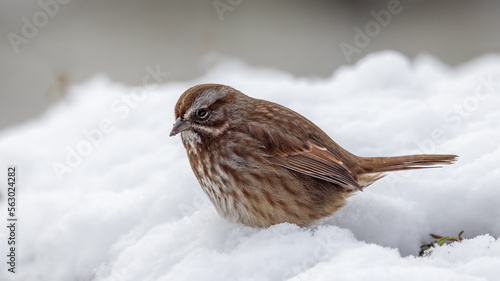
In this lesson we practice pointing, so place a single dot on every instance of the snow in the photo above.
(105, 194)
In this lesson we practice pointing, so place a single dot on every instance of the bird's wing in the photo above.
(319, 163)
(303, 156)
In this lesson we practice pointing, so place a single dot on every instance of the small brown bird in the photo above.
(261, 163)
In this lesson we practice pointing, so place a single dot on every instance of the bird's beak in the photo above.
(179, 126)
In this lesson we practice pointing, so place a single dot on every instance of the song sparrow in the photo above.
(261, 163)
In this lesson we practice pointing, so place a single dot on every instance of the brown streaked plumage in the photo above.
(261, 163)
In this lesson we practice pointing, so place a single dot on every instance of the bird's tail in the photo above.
(374, 167)
(408, 162)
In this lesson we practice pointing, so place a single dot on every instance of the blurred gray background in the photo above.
(47, 45)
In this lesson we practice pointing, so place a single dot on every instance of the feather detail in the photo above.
(303, 156)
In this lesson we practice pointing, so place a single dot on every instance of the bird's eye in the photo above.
(202, 113)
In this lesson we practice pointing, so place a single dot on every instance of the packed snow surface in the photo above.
(105, 194)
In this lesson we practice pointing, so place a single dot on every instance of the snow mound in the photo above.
(105, 194)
